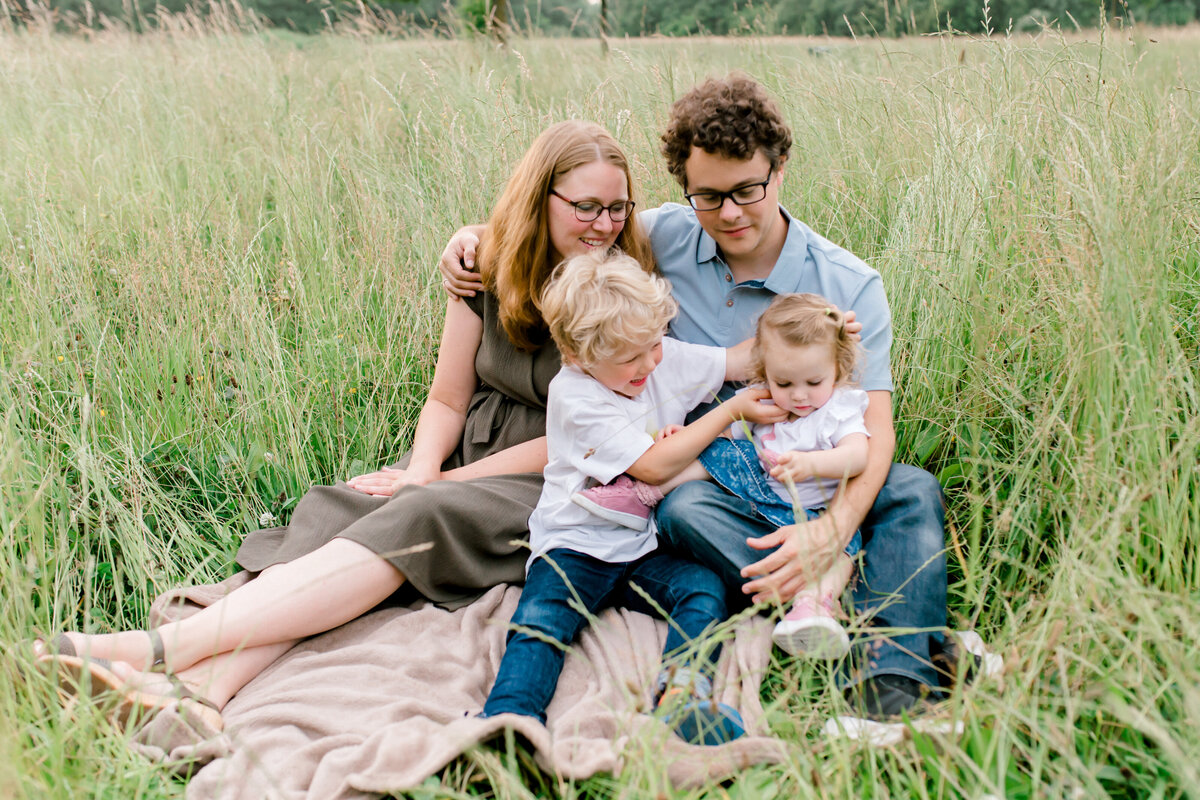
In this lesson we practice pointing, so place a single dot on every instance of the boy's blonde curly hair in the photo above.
(599, 303)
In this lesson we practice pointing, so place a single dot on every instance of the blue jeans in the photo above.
(902, 581)
(692, 596)
(734, 464)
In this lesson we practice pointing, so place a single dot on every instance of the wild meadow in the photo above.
(217, 254)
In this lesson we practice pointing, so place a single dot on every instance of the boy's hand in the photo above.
(670, 430)
(792, 464)
(747, 405)
(457, 264)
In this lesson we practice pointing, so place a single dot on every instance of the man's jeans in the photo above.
(549, 617)
(903, 580)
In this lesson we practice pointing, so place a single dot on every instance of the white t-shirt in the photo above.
(593, 432)
(841, 416)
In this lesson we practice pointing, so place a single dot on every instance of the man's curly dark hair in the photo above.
(731, 117)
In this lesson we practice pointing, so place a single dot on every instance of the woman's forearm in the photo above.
(856, 498)
(525, 457)
(444, 415)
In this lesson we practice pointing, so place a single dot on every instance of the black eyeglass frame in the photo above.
(761, 185)
(629, 205)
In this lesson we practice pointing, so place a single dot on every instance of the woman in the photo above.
(443, 518)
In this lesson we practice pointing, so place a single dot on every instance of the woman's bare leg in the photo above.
(330, 586)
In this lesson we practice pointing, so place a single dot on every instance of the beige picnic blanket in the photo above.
(382, 703)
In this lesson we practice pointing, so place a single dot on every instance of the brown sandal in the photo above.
(94, 677)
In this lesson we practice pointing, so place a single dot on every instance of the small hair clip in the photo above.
(829, 312)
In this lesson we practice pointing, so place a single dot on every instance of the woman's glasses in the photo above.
(588, 210)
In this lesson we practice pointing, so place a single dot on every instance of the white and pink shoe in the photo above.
(624, 501)
(811, 629)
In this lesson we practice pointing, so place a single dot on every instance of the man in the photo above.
(727, 254)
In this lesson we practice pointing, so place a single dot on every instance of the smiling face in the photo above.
(597, 182)
(625, 372)
(748, 233)
(801, 378)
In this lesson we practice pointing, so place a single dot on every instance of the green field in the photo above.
(217, 254)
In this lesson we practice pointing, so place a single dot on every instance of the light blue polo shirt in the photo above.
(714, 310)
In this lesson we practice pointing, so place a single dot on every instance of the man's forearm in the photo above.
(855, 500)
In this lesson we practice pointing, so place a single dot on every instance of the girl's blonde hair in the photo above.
(599, 303)
(515, 255)
(804, 319)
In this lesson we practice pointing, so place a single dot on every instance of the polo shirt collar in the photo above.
(793, 259)
(706, 248)
(785, 277)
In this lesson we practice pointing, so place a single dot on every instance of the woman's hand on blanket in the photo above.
(802, 552)
(388, 480)
(457, 265)
(669, 430)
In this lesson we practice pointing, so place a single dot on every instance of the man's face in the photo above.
(740, 231)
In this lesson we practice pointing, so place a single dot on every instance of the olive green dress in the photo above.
(453, 540)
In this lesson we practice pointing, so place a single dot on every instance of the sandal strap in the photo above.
(61, 645)
(157, 650)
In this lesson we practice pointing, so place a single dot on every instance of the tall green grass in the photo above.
(218, 251)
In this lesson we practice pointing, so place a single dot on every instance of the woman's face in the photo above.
(597, 182)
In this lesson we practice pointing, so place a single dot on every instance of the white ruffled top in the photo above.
(841, 416)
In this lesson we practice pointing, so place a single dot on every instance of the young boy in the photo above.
(621, 384)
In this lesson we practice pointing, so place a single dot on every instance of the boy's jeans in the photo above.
(903, 579)
(691, 595)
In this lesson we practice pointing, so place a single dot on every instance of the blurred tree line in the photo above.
(884, 17)
(656, 17)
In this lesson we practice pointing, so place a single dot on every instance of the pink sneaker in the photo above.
(811, 629)
(624, 501)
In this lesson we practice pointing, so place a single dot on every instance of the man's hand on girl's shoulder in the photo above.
(457, 264)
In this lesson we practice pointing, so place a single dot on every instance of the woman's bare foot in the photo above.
(156, 683)
(135, 648)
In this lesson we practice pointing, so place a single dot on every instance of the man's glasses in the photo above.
(743, 196)
(588, 210)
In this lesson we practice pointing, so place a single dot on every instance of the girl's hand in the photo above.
(387, 481)
(670, 430)
(746, 405)
(792, 464)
